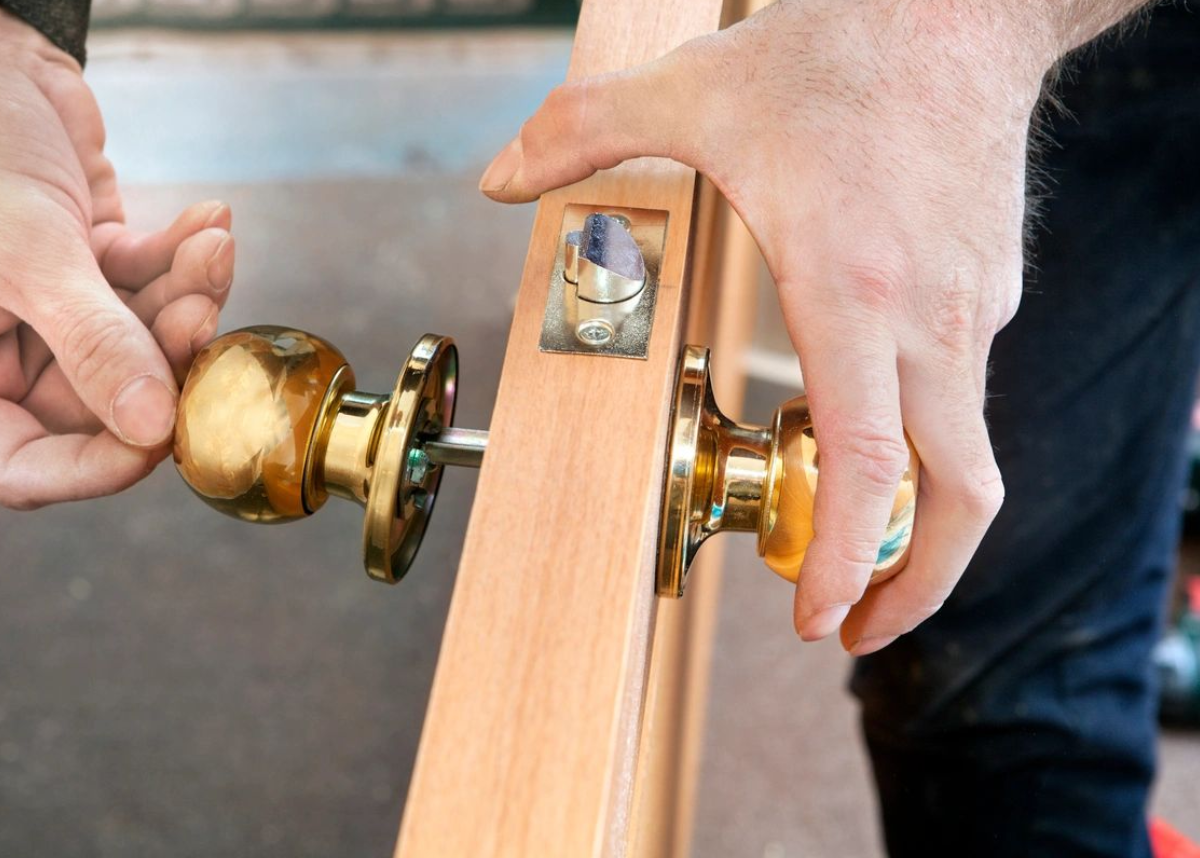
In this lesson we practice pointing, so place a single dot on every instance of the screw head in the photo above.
(595, 332)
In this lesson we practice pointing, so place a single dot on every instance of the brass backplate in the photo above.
(680, 528)
(631, 337)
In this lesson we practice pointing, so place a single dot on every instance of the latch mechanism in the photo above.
(605, 282)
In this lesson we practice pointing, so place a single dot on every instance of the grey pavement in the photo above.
(175, 682)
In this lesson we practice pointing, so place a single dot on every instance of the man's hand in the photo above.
(877, 151)
(97, 323)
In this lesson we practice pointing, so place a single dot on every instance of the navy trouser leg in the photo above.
(1019, 720)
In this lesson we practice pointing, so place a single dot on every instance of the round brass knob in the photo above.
(247, 417)
(269, 425)
(725, 476)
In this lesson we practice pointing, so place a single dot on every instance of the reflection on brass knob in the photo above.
(723, 476)
(270, 425)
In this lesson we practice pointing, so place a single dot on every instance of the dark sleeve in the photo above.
(63, 22)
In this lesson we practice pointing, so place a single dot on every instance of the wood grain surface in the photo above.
(532, 733)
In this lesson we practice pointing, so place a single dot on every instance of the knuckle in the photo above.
(91, 341)
(567, 107)
(877, 286)
(878, 456)
(573, 112)
(859, 550)
(564, 100)
(1008, 301)
(980, 494)
(952, 317)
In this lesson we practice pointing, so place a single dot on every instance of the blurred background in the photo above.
(172, 681)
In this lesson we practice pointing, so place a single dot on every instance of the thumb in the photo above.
(598, 122)
(108, 356)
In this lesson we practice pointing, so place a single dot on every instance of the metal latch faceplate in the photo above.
(600, 311)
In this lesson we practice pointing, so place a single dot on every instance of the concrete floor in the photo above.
(172, 681)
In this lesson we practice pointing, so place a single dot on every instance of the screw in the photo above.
(594, 332)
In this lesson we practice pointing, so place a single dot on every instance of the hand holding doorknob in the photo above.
(723, 476)
(270, 425)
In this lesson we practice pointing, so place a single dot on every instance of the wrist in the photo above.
(25, 47)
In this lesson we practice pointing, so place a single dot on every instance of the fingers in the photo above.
(854, 397)
(203, 265)
(130, 260)
(37, 468)
(599, 122)
(54, 403)
(202, 271)
(183, 328)
(109, 357)
(959, 496)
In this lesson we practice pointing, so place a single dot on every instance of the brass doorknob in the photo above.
(722, 477)
(270, 425)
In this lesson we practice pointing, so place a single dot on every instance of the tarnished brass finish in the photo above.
(724, 476)
(270, 425)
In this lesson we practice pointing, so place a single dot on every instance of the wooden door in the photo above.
(566, 710)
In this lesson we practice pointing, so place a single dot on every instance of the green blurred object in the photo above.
(1177, 655)
(1177, 661)
(331, 14)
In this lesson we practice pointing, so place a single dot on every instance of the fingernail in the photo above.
(502, 169)
(220, 265)
(824, 622)
(144, 412)
(866, 646)
(204, 332)
(217, 215)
